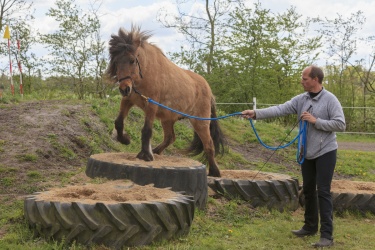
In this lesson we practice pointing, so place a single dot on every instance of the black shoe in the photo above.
(302, 233)
(323, 242)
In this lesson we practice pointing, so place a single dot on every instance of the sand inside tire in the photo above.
(108, 192)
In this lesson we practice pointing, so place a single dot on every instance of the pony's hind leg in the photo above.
(169, 136)
(203, 131)
(119, 122)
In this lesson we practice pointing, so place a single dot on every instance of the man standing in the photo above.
(324, 114)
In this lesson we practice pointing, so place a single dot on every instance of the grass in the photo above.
(28, 157)
(34, 174)
(7, 181)
(2, 143)
(241, 229)
(359, 166)
(65, 151)
(224, 224)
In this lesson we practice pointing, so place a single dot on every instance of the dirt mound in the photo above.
(43, 141)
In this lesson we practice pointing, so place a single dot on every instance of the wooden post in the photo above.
(254, 105)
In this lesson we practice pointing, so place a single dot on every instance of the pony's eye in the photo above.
(132, 61)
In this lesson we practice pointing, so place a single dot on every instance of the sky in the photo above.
(122, 13)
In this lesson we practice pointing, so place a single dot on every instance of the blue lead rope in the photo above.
(191, 116)
(301, 150)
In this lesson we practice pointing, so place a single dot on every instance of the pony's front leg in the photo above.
(146, 152)
(119, 122)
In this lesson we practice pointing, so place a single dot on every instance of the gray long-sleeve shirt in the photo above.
(321, 136)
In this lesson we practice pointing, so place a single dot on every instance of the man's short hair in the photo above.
(316, 72)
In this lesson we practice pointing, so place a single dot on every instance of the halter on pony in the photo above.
(129, 77)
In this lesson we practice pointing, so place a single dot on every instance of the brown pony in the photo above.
(141, 68)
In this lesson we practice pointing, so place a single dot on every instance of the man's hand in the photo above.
(306, 116)
(248, 114)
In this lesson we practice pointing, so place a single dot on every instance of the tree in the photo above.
(366, 74)
(364, 71)
(13, 10)
(294, 49)
(100, 59)
(266, 53)
(74, 47)
(202, 30)
(28, 61)
(341, 38)
(244, 52)
(100, 65)
(247, 59)
(364, 66)
(340, 35)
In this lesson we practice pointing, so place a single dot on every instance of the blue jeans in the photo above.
(317, 177)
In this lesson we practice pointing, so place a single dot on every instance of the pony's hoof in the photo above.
(157, 151)
(214, 174)
(123, 140)
(146, 156)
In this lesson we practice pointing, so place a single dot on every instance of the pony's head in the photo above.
(124, 65)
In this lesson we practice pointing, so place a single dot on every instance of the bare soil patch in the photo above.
(356, 187)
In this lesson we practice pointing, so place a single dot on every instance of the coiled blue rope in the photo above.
(301, 148)
(269, 147)
(301, 152)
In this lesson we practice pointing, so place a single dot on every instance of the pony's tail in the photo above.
(196, 146)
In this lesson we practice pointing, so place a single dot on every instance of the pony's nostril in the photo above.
(126, 91)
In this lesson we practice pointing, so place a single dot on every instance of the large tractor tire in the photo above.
(362, 203)
(181, 174)
(355, 196)
(112, 224)
(275, 191)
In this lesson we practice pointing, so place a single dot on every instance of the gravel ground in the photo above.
(362, 146)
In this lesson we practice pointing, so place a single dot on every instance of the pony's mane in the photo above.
(125, 42)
